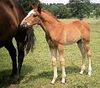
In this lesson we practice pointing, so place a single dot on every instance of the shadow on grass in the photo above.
(7, 82)
(72, 69)
(49, 74)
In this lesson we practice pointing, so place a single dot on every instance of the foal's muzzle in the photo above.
(24, 24)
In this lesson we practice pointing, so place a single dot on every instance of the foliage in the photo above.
(79, 8)
(97, 11)
(75, 8)
(59, 10)
(26, 3)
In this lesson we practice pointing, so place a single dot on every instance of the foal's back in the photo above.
(84, 29)
(77, 30)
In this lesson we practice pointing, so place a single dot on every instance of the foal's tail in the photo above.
(26, 37)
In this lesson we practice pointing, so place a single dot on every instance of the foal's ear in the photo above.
(39, 8)
(33, 5)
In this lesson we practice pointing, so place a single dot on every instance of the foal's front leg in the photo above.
(53, 51)
(62, 62)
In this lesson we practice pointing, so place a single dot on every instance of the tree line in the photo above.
(74, 9)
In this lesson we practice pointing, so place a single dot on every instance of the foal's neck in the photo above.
(48, 21)
(48, 18)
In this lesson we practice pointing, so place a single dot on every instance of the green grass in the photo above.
(37, 69)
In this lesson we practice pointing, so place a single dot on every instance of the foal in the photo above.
(59, 34)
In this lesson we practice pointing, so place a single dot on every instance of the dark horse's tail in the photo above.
(30, 40)
(26, 37)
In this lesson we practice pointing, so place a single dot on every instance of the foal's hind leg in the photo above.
(83, 52)
(62, 61)
(89, 58)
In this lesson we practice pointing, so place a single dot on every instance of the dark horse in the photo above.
(11, 14)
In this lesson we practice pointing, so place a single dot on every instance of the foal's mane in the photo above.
(50, 14)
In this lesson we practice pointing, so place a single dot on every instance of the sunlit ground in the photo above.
(37, 69)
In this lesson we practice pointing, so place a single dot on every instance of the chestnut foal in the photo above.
(59, 34)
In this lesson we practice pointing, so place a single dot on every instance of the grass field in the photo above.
(37, 69)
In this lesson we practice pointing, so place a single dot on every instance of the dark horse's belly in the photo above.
(2, 43)
(5, 36)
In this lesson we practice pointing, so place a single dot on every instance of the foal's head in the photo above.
(33, 16)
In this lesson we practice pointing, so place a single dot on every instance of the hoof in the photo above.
(63, 81)
(89, 74)
(52, 82)
(81, 72)
(14, 77)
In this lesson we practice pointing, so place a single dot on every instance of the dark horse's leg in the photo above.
(24, 39)
(20, 37)
(20, 55)
(12, 51)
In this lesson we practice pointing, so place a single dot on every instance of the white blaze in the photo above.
(30, 13)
